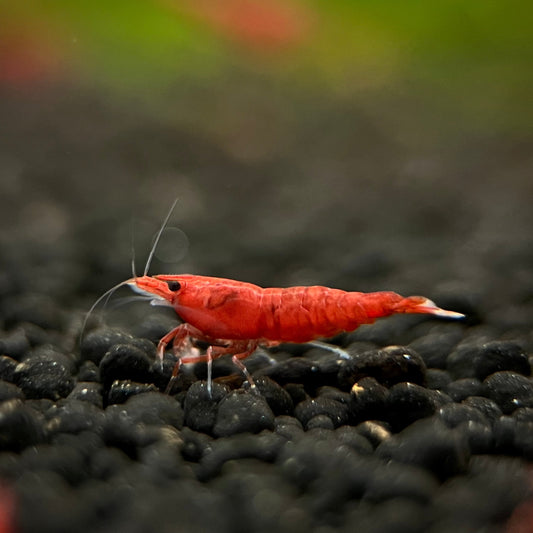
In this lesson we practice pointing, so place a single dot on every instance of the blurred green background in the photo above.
(355, 143)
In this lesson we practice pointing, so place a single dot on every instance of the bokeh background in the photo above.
(365, 145)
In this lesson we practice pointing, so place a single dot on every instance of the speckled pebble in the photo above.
(510, 390)
(390, 365)
(425, 443)
(124, 362)
(453, 414)
(20, 426)
(288, 427)
(485, 405)
(241, 412)
(277, 398)
(95, 344)
(201, 408)
(121, 390)
(337, 412)
(407, 402)
(73, 416)
(44, 377)
(497, 356)
(88, 392)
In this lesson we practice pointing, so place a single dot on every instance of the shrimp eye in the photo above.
(174, 286)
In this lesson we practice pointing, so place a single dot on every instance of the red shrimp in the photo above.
(235, 317)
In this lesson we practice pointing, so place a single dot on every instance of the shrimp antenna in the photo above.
(158, 236)
(107, 294)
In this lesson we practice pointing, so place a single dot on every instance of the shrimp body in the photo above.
(237, 316)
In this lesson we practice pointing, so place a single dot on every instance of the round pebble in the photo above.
(510, 390)
(241, 412)
(200, 407)
(124, 362)
(390, 365)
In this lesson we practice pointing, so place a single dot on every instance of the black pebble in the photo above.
(463, 388)
(294, 370)
(277, 398)
(320, 422)
(337, 412)
(354, 439)
(367, 400)
(74, 416)
(98, 342)
(435, 347)
(486, 406)
(9, 391)
(510, 390)
(454, 414)
(154, 408)
(288, 427)
(20, 426)
(297, 392)
(125, 361)
(265, 447)
(374, 431)
(407, 402)
(88, 392)
(479, 360)
(88, 371)
(121, 390)
(241, 412)
(14, 343)
(390, 365)
(496, 356)
(200, 407)
(44, 376)
(425, 443)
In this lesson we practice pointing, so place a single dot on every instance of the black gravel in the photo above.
(426, 427)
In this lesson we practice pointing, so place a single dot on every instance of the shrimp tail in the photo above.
(420, 304)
